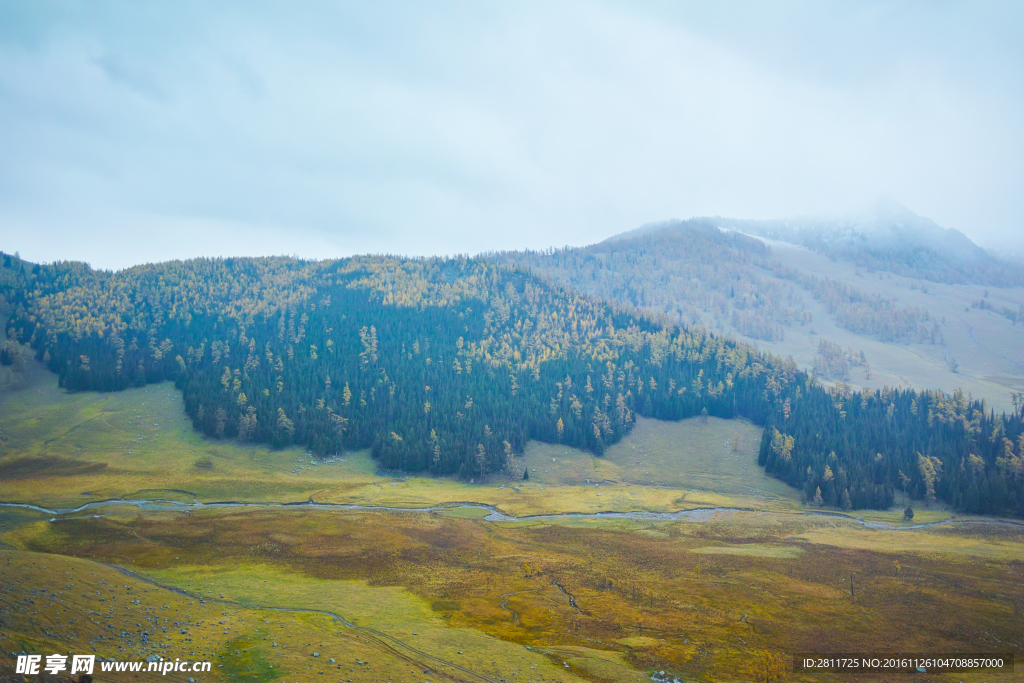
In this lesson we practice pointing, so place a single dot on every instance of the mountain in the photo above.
(695, 273)
(891, 238)
(451, 365)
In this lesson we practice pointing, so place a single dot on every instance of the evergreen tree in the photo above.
(452, 365)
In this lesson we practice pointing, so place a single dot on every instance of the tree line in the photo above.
(449, 366)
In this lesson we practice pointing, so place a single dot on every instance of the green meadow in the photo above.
(277, 593)
(63, 449)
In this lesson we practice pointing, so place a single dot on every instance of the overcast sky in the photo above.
(143, 131)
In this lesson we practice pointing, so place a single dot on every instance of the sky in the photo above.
(135, 132)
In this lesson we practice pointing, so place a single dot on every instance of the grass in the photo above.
(711, 455)
(545, 598)
(393, 611)
(247, 660)
(953, 544)
(612, 598)
(788, 552)
(699, 455)
(62, 604)
(61, 450)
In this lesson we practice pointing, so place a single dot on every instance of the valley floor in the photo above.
(459, 591)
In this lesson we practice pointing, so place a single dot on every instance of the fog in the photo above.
(137, 132)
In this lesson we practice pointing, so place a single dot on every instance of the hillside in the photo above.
(867, 328)
(451, 366)
(894, 239)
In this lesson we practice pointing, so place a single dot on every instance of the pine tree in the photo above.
(361, 353)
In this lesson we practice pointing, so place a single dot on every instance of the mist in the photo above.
(146, 132)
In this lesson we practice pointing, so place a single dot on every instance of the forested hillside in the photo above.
(685, 271)
(451, 365)
(691, 270)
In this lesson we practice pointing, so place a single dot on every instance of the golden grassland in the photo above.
(712, 598)
(54, 604)
(609, 598)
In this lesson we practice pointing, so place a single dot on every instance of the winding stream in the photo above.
(388, 643)
(696, 515)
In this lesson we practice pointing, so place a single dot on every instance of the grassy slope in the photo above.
(52, 604)
(991, 361)
(62, 450)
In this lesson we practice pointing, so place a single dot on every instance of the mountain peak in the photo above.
(890, 226)
(886, 236)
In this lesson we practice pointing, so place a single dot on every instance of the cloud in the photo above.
(144, 132)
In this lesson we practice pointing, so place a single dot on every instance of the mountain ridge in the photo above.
(887, 237)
